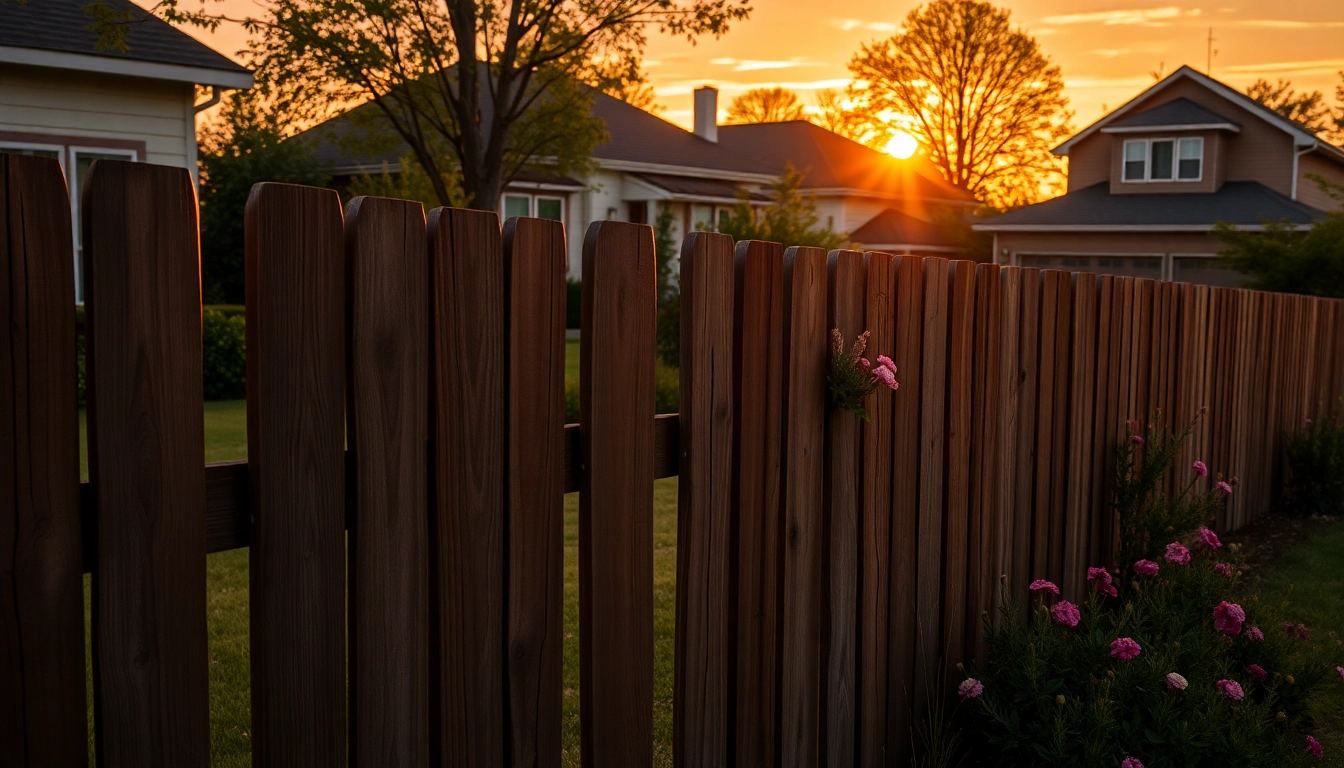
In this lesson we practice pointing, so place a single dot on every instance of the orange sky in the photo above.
(1106, 48)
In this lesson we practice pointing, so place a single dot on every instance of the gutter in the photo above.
(1296, 159)
(216, 93)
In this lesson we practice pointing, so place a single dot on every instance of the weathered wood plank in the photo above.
(933, 446)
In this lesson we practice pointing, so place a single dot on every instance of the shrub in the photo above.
(1316, 468)
(666, 393)
(224, 353)
(573, 302)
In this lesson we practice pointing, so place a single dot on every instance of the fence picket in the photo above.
(296, 474)
(932, 488)
(146, 465)
(957, 571)
(42, 695)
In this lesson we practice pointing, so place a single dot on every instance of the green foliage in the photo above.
(666, 393)
(790, 218)
(1288, 260)
(848, 381)
(410, 183)
(244, 148)
(573, 303)
(1315, 455)
(669, 290)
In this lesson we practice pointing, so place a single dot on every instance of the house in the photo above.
(1149, 181)
(61, 97)
(883, 202)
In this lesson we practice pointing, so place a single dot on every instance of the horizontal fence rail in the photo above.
(402, 503)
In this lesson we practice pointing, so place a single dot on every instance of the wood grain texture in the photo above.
(42, 695)
(1025, 533)
(956, 533)
(1080, 416)
(875, 518)
(804, 400)
(705, 616)
(983, 561)
(933, 445)
(846, 275)
(468, 422)
(535, 259)
(296, 475)
(146, 465)
(757, 493)
(616, 496)
(1012, 558)
(387, 322)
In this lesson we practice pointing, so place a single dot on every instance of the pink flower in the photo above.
(884, 375)
(1124, 648)
(1146, 568)
(1131, 762)
(1227, 618)
(1137, 439)
(886, 362)
(1040, 584)
(1201, 469)
(1222, 569)
(1176, 682)
(864, 364)
(1177, 553)
(1340, 670)
(1209, 538)
(1256, 671)
(1306, 419)
(1066, 614)
(1231, 689)
(970, 688)
(860, 344)
(1314, 748)
(1223, 488)
(1102, 577)
(1254, 633)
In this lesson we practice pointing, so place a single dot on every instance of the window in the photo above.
(702, 218)
(1164, 160)
(551, 208)
(81, 160)
(1204, 269)
(1191, 159)
(35, 150)
(1130, 266)
(516, 206)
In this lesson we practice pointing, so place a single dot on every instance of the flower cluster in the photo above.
(1177, 553)
(1101, 579)
(851, 377)
(1228, 618)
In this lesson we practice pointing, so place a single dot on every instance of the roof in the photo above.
(54, 33)
(1181, 112)
(641, 142)
(1247, 204)
(697, 187)
(891, 227)
(1301, 136)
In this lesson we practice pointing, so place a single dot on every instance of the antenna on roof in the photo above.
(1208, 66)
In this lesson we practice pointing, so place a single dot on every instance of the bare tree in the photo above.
(765, 105)
(846, 113)
(1309, 109)
(982, 99)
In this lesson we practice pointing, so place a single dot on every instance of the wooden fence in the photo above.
(402, 500)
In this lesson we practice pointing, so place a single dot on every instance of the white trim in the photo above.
(631, 166)
(115, 65)
(1297, 158)
(59, 149)
(1120, 227)
(1148, 143)
(76, 192)
(532, 204)
(901, 248)
(1233, 127)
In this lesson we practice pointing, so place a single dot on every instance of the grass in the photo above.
(1311, 577)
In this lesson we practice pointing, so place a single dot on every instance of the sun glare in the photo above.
(902, 145)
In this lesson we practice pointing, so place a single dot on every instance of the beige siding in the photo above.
(1309, 192)
(97, 106)
(1090, 161)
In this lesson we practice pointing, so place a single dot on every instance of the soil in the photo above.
(1265, 540)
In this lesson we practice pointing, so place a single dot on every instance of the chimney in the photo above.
(707, 113)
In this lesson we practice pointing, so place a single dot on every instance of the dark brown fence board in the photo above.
(758, 411)
(1045, 546)
(956, 525)
(146, 464)
(42, 695)
(1027, 371)
(705, 602)
(1082, 356)
(1013, 559)
(535, 260)
(983, 560)
(932, 492)
(467, 430)
(616, 496)
(875, 517)
(804, 400)
(296, 474)
(387, 316)
(845, 280)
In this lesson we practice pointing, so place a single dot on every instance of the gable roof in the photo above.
(1180, 113)
(1246, 204)
(892, 227)
(1302, 137)
(54, 33)
(641, 142)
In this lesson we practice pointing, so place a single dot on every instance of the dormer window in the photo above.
(1157, 160)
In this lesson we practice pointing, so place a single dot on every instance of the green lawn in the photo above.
(1311, 577)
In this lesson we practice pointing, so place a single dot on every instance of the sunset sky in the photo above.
(1106, 48)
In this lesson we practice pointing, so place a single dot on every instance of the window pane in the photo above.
(517, 205)
(1191, 158)
(702, 218)
(32, 152)
(1136, 157)
(1162, 156)
(549, 208)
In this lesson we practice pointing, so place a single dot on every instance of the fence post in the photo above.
(146, 465)
(42, 696)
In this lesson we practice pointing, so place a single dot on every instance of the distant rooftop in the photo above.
(1178, 112)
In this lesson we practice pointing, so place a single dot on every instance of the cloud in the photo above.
(1111, 53)
(1145, 16)
(754, 65)
(1316, 67)
(882, 26)
(729, 87)
(1285, 24)
(1080, 83)
(849, 25)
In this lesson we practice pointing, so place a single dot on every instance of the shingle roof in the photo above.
(891, 227)
(1236, 202)
(1180, 111)
(828, 159)
(692, 186)
(61, 25)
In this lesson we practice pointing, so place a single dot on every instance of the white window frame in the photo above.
(59, 149)
(1148, 160)
(558, 198)
(532, 199)
(72, 166)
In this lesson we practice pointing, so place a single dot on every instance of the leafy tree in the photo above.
(409, 183)
(243, 147)
(765, 105)
(668, 252)
(790, 217)
(1289, 260)
(846, 113)
(985, 103)
(486, 87)
(1309, 109)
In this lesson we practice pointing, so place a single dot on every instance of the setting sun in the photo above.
(902, 145)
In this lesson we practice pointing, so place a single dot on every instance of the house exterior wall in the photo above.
(1181, 256)
(1212, 174)
(1309, 192)
(100, 110)
(1090, 161)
